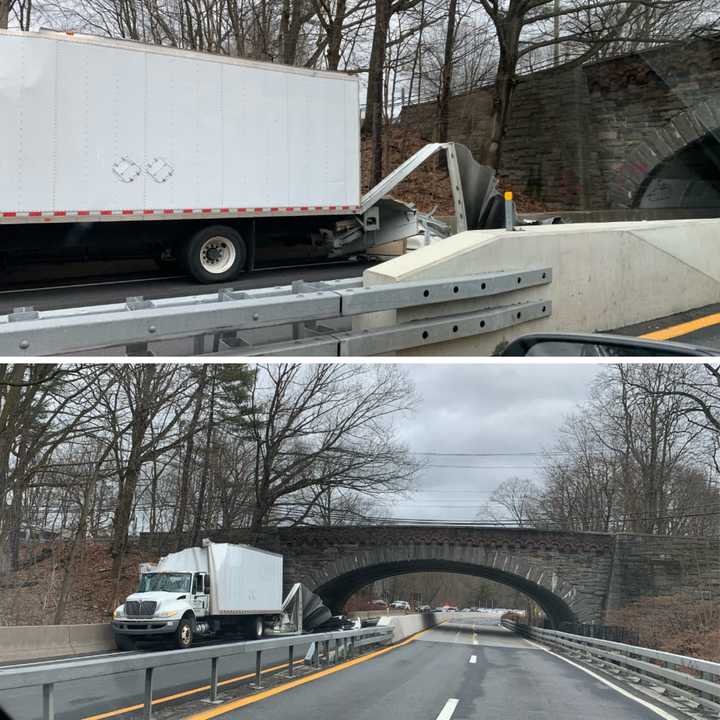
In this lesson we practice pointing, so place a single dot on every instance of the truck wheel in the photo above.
(215, 254)
(123, 642)
(184, 634)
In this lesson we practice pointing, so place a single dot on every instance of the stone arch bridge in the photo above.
(637, 131)
(573, 576)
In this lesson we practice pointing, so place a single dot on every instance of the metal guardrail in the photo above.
(602, 632)
(232, 320)
(47, 675)
(690, 678)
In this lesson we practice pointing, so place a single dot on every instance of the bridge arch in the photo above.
(676, 165)
(570, 574)
(556, 604)
(566, 573)
(690, 178)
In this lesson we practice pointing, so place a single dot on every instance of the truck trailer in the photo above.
(117, 148)
(203, 591)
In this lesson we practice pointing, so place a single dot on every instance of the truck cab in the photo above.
(203, 591)
(167, 604)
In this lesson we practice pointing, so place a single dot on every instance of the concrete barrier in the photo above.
(605, 275)
(406, 625)
(43, 641)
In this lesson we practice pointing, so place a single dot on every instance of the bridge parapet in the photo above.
(574, 576)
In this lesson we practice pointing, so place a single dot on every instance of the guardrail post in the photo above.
(508, 210)
(147, 702)
(48, 702)
(214, 680)
(258, 670)
(291, 653)
(297, 327)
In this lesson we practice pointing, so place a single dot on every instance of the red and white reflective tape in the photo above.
(50, 214)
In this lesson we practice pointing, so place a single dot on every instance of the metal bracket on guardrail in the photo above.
(20, 314)
(233, 319)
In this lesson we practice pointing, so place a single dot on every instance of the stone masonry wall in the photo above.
(588, 572)
(648, 565)
(587, 137)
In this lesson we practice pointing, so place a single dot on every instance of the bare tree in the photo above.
(524, 28)
(636, 457)
(324, 427)
(518, 497)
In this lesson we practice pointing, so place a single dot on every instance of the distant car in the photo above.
(450, 608)
(400, 605)
(466, 610)
(439, 609)
(425, 608)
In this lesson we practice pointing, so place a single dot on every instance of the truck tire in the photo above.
(123, 642)
(215, 254)
(184, 634)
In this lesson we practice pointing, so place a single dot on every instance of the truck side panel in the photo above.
(98, 122)
(106, 127)
(257, 164)
(244, 580)
(27, 84)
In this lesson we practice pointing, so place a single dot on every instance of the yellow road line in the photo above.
(243, 702)
(674, 331)
(185, 693)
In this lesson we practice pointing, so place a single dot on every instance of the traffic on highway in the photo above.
(464, 665)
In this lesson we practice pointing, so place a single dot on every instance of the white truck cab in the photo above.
(202, 591)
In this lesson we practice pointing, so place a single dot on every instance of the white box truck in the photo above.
(209, 590)
(118, 148)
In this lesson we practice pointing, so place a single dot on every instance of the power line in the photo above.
(483, 467)
(472, 453)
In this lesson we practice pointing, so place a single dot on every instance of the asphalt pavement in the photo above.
(115, 695)
(466, 669)
(97, 284)
(700, 326)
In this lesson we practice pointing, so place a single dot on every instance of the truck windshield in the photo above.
(167, 582)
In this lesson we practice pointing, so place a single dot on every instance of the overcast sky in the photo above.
(483, 408)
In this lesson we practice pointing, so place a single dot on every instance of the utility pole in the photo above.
(556, 46)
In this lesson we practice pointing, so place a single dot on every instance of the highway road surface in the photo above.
(466, 669)
(695, 327)
(116, 696)
(43, 289)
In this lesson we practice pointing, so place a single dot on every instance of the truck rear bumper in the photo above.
(144, 627)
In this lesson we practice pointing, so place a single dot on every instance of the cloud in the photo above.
(483, 408)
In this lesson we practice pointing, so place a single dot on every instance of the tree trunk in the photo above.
(335, 36)
(197, 524)
(373, 99)
(121, 522)
(71, 560)
(4, 14)
(446, 75)
(509, 38)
